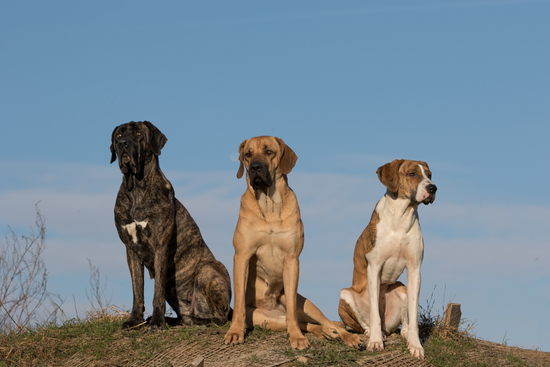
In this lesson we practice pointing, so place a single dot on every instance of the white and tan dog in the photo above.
(376, 303)
(268, 241)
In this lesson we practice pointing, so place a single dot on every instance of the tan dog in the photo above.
(376, 303)
(268, 241)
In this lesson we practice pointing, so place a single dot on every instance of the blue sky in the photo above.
(350, 86)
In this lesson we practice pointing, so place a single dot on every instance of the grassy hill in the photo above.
(99, 341)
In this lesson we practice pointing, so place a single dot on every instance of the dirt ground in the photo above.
(273, 350)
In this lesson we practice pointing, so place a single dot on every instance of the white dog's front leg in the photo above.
(413, 293)
(376, 341)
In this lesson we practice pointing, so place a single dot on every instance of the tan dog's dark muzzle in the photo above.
(259, 176)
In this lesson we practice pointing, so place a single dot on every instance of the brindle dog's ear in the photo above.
(158, 139)
(288, 157)
(113, 152)
(389, 175)
(240, 172)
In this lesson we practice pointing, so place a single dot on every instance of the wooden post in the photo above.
(452, 316)
(198, 362)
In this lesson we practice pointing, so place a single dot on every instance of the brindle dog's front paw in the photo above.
(132, 322)
(156, 323)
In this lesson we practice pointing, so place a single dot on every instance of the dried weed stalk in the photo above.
(24, 296)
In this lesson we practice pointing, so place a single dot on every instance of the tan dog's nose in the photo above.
(255, 167)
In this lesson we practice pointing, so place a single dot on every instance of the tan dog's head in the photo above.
(264, 158)
(410, 180)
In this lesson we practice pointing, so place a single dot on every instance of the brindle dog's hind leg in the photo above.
(212, 295)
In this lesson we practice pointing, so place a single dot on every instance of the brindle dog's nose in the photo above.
(431, 188)
(255, 167)
(123, 143)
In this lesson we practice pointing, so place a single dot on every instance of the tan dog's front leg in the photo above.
(235, 334)
(291, 270)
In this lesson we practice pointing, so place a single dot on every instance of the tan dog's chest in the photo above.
(271, 253)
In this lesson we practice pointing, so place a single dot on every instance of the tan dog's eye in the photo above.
(269, 152)
(248, 155)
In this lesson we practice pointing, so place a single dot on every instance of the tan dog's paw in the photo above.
(325, 332)
(234, 337)
(298, 342)
(353, 340)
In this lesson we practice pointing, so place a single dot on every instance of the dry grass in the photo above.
(99, 341)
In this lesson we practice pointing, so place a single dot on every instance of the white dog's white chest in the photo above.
(394, 251)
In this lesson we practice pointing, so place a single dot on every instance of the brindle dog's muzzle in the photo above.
(128, 157)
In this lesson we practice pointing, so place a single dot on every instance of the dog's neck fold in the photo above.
(144, 174)
(270, 199)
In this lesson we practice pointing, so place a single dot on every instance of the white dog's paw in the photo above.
(375, 345)
(416, 350)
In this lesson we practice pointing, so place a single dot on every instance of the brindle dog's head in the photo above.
(265, 157)
(135, 144)
(411, 180)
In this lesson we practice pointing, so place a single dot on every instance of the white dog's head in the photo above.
(406, 179)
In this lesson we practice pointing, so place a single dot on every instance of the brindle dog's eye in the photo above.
(412, 174)
(138, 133)
(118, 135)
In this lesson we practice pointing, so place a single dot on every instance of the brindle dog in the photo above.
(160, 234)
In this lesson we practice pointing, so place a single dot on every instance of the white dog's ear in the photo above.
(288, 157)
(240, 172)
(389, 175)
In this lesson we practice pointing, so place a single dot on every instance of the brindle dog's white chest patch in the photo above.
(131, 228)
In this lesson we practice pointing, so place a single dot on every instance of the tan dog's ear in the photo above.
(288, 157)
(389, 175)
(240, 172)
